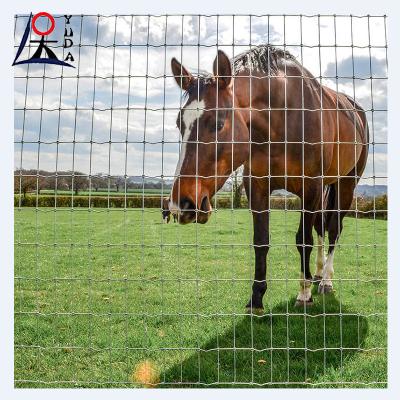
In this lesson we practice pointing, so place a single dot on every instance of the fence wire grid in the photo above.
(109, 295)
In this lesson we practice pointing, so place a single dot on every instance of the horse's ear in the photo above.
(182, 76)
(222, 69)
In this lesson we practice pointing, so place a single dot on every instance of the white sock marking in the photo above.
(305, 289)
(304, 294)
(328, 270)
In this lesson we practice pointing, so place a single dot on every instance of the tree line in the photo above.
(27, 181)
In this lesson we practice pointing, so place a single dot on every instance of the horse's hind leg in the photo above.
(311, 198)
(320, 225)
(342, 194)
(320, 260)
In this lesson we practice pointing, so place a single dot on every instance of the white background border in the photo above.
(356, 7)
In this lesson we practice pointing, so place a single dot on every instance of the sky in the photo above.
(77, 108)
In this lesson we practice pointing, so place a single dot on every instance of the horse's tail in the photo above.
(329, 204)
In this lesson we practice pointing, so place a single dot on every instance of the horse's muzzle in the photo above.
(187, 211)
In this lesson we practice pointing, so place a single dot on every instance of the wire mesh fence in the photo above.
(290, 124)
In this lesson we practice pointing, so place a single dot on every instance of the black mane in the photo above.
(263, 58)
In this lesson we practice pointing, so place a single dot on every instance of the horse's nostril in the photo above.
(186, 204)
(204, 204)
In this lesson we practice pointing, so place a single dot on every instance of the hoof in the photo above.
(316, 280)
(301, 303)
(324, 289)
(255, 311)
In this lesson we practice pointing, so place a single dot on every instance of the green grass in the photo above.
(98, 292)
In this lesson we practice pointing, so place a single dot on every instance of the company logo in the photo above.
(43, 54)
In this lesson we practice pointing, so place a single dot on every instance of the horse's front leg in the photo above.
(259, 200)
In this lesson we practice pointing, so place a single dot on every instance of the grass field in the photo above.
(99, 292)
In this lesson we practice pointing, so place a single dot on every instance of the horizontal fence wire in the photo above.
(107, 294)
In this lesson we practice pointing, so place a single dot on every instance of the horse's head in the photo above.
(215, 139)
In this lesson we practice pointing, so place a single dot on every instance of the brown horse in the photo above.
(166, 214)
(265, 111)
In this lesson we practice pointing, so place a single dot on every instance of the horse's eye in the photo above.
(220, 124)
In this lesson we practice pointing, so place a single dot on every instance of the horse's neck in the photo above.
(255, 94)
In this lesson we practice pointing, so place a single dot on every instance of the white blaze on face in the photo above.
(192, 112)
(190, 115)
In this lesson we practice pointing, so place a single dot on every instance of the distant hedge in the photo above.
(83, 201)
(365, 206)
(292, 203)
(368, 207)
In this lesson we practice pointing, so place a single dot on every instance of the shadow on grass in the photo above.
(284, 348)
